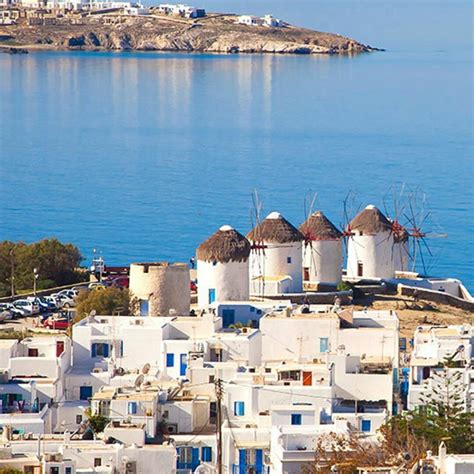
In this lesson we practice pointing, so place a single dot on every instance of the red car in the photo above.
(56, 323)
(120, 282)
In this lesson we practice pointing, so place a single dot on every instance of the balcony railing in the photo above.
(250, 469)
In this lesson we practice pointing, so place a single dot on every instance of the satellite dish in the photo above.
(139, 380)
(146, 368)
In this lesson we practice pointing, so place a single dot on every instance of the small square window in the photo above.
(211, 378)
(97, 462)
(296, 419)
(366, 426)
(288, 259)
(169, 360)
(78, 419)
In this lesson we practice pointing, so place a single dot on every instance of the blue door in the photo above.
(183, 365)
(242, 461)
(143, 307)
(228, 317)
(259, 461)
(212, 295)
(85, 392)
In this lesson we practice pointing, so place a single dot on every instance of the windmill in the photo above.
(257, 246)
(276, 252)
(322, 246)
(419, 220)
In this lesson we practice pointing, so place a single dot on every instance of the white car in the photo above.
(64, 300)
(29, 306)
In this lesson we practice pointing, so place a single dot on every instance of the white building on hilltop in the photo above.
(223, 267)
(276, 259)
(266, 20)
(322, 252)
(370, 246)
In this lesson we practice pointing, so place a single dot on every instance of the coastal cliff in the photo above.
(214, 33)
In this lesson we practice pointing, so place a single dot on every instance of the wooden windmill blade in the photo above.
(257, 244)
(419, 219)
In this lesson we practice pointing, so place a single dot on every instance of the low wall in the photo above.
(436, 297)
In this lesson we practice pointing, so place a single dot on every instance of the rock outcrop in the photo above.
(217, 34)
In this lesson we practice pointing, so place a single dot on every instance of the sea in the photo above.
(143, 155)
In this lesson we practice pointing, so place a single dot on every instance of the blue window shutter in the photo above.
(242, 461)
(183, 364)
(195, 458)
(259, 459)
(366, 426)
(295, 419)
(206, 454)
(132, 408)
(106, 350)
(169, 360)
(239, 408)
(94, 350)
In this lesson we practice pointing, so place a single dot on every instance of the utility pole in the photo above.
(12, 271)
(219, 392)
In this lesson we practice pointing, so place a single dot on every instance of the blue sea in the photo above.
(143, 155)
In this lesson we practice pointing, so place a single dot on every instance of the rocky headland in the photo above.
(216, 33)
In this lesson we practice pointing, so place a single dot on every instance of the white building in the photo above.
(276, 257)
(266, 20)
(322, 251)
(370, 246)
(432, 347)
(223, 268)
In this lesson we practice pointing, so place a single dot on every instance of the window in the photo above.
(213, 413)
(252, 309)
(211, 378)
(239, 408)
(206, 454)
(169, 360)
(323, 344)
(360, 269)
(68, 470)
(97, 462)
(78, 419)
(100, 349)
(132, 408)
(366, 426)
(54, 470)
(85, 392)
(144, 307)
(212, 295)
(188, 458)
(295, 419)
(288, 260)
(32, 352)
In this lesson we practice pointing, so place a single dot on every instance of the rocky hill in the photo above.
(215, 33)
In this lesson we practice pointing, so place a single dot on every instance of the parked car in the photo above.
(64, 300)
(5, 315)
(43, 306)
(56, 323)
(51, 302)
(29, 306)
(96, 286)
(15, 312)
(120, 282)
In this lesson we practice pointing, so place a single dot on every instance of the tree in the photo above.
(55, 262)
(97, 422)
(106, 301)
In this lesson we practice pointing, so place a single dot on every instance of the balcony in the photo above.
(250, 469)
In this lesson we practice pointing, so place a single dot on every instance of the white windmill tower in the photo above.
(223, 267)
(322, 251)
(276, 256)
(370, 245)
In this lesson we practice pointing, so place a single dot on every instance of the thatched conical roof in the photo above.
(370, 221)
(225, 245)
(275, 228)
(319, 227)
